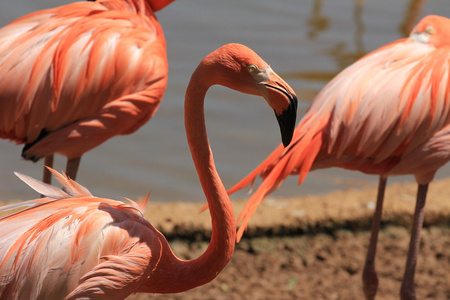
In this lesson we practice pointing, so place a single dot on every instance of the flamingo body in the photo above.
(71, 245)
(386, 114)
(93, 247)
(73, 76)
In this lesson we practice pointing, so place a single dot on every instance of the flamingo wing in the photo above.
(387, 103)
(76, 247)
(79, 72)
(373, 110)
(390, 105)
(128, 255)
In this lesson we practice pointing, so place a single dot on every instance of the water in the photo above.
(307, 42)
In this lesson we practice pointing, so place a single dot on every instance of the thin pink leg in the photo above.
(369, 275)
(47, 176)
(48, 162)
(407, 290)
(72, 167)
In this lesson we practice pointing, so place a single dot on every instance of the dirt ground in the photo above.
(314, 247)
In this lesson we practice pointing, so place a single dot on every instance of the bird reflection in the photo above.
(343, 56)
(317, 22)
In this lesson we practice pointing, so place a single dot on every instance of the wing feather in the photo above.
(88, 57)
(42, 188)
(75, 245)
(396, 88)
(381, 115)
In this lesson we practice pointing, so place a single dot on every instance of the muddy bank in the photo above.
(349, 209)
(323, 266)
(314, 247)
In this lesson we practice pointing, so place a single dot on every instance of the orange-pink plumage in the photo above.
(73, 76)
(71, 245)
(386, 114)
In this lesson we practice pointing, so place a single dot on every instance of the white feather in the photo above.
(42, 188)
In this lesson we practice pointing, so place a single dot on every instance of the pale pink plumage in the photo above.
(49, 252)
(386, 114)
(72, 77)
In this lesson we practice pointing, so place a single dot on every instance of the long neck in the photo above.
(185, 275)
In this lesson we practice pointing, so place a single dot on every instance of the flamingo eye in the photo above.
(430, 30)
(252, 68)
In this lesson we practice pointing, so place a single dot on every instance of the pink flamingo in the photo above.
(72, 245)
(387, 114)
(73, 76)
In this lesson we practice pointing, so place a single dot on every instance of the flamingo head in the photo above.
(432, 30)
(240, 68)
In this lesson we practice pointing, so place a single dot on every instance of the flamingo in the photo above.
(71, 245)
(73, 76)
(386, 114)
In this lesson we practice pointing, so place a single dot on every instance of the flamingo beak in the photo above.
(284, 103)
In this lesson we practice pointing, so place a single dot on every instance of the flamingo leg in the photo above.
(72, 167)
(407, 290)
(48, 162)
(369, 275)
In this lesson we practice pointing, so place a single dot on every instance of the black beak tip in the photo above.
(286, 120)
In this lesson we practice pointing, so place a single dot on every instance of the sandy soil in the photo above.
(314, 247)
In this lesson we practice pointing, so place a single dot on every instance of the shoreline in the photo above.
(350, 209)
(345, 209)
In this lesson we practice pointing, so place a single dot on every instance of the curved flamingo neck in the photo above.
(223, 237)
(182, 275)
